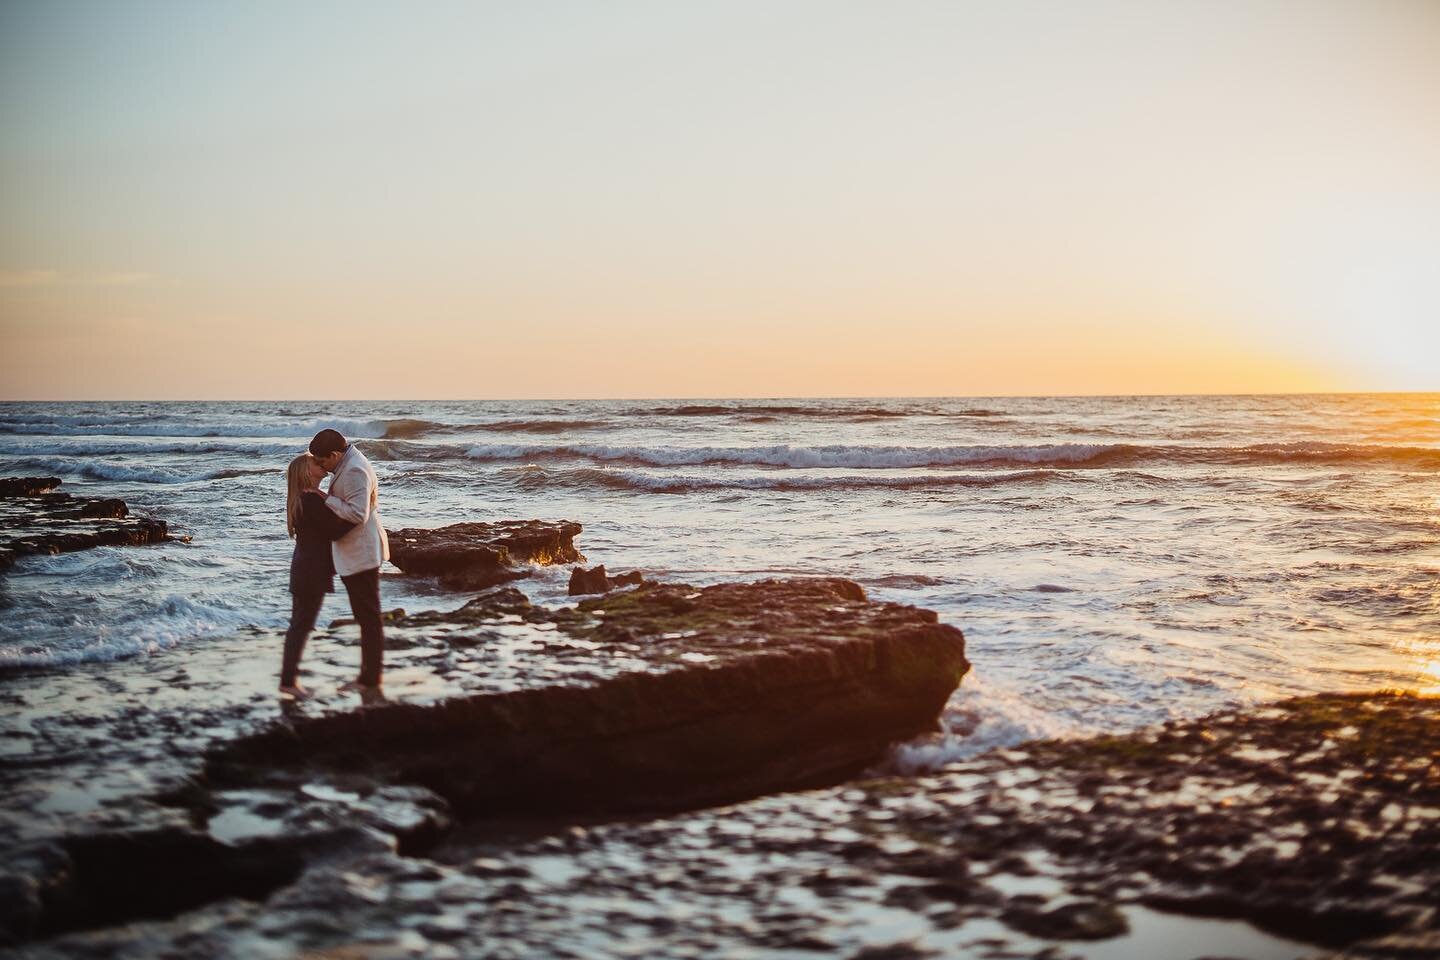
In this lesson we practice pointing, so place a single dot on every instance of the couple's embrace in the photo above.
(336, 530)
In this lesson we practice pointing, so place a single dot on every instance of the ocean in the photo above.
(1113, 561)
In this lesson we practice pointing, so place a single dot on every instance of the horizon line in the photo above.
(736, 397)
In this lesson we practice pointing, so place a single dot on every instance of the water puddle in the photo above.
(1166, 936)
(241, 823)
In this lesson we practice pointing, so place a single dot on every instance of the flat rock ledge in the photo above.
(473, 556)
(666, 696)
(1302, 829)
(163, 785)
(36, 520)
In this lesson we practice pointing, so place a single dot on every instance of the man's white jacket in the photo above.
(354, 496)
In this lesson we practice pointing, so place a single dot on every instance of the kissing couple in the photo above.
(336, 530)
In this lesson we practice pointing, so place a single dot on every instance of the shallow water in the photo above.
(1112, 561)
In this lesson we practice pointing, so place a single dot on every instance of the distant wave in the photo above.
(181, 459)
(300, 430)
(539, 426)
(411, 429)
(1062, 456)
(805, 410)
(594, 478)
(171, 427)
(405, 429)
(854, 457)
(131, 473)
(100, 447)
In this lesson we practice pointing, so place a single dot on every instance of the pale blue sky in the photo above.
(668, 198)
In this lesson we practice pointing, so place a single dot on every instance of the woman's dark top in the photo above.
(312, 570)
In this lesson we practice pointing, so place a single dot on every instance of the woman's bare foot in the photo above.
(295, 692)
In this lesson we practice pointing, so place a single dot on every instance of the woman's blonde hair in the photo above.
(297, 478)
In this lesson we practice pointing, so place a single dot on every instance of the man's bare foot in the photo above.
(355, 686)
(295, 692)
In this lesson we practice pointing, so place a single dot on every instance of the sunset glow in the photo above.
(740, 199)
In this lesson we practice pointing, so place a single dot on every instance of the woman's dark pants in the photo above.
(304, 609)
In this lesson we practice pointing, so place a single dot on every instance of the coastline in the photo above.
(1078, 845)
(1099, 601)
(163, 804)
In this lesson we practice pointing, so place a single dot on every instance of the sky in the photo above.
(267, 200)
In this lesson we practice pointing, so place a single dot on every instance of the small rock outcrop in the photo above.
(27, 486)
(595, 580)
(36, 520)
(473, 556)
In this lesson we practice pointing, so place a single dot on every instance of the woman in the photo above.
(312, 571)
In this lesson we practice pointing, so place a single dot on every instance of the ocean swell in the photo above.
(175, 427)
(807, 410)
(534, 477)
(100, 447)
(1057, 456)
(127, 472)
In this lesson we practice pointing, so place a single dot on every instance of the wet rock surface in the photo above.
(661, 697)
(474, 556)
(27, 486)
(596, 580)
(664, 696)
(36, 520)
(1302, 830)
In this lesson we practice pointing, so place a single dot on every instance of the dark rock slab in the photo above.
(662, 697)
(34, 520)
(1305, 829)
(27, 486)
(1289, 831)
(473, 556)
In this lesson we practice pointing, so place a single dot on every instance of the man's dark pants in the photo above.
(364, 591)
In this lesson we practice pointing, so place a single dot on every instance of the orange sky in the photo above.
(728, 199)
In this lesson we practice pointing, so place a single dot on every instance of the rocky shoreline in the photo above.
(36, 520)
(1305, 829)
(667, 770)
(659, 698)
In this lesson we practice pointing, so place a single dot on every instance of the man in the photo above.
(354, 497)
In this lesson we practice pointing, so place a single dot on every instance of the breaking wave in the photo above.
(149, 625)
(131, 473)
(104, 447)
(1058, 456)
(535, 478)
